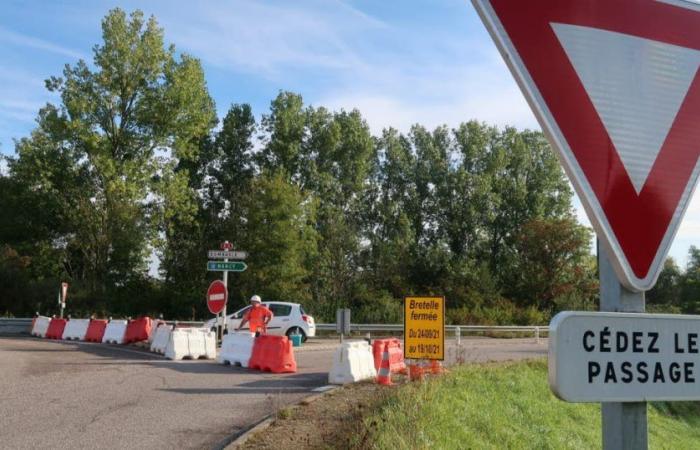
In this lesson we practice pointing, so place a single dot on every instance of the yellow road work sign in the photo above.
(424, 328)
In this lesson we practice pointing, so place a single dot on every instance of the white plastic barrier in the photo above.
(115, 332)
(236, 349)
(353, 361)
(191, 343)
(41, 326)
(155, 324)
(76, 329)
(161, 338)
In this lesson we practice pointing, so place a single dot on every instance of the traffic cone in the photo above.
(384, 373)
(435, 367)
(415, 371)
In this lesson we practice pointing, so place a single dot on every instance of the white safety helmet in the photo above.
(255, 298)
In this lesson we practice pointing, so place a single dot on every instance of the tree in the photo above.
(285, 129)
(690, 290)
(552, 264)
(338, 152)
(666, 293)
(221, 178)
(106, 159)
(280, 238)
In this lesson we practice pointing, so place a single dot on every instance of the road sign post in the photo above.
(226, 252)
(62, 298)
(624, 425)
(615, 87)
(342, 322)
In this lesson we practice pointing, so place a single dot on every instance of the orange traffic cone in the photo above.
(415, 371)
(435, 367)
(384, 373)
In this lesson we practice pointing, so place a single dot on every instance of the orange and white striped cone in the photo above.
(384, 373)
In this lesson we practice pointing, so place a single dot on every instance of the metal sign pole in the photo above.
(223, 312)
(624, 424)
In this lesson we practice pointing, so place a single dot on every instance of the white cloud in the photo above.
(690, 227)
(473, 97)
(12, 37)
(265, 39)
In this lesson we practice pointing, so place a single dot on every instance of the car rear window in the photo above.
(280, 310)
(301, 309)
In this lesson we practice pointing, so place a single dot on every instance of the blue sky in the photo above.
(399, 62)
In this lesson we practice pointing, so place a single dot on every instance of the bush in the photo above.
(501, 312)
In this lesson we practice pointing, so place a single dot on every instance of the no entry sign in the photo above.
(217, 294)
(615, 87)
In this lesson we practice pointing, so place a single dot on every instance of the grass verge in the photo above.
(505, 406)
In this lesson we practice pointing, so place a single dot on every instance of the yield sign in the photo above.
(217, 294)
(614, 85)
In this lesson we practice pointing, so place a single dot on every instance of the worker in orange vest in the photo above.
(257, 317)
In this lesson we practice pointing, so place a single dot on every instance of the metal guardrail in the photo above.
(187, 323)
(9, 325)
(456, 330)
(449, 328)
(22, 325)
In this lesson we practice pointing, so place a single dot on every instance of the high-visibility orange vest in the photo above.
(256, 318)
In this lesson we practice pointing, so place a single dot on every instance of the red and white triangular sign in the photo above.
(615, 87)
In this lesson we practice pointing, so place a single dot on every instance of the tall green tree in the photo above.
(106, 158)
(280, 238)
(553, 265)
(221, 177)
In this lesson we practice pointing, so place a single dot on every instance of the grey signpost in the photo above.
(342, 322)
(595, 75)
(624, 424)
(226, 266)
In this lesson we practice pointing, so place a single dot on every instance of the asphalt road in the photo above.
(81, 395)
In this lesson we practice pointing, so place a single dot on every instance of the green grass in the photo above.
(508, 406)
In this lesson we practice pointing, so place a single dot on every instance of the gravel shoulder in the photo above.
(335, 419)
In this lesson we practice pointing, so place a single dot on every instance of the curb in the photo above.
(236, 440)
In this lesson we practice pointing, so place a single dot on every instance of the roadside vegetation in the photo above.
(506, 406)
(132, 161)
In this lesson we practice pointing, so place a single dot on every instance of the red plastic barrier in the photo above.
(138, 330)
(396, 361)
(273, 354)
(56, 327)
(96, 330)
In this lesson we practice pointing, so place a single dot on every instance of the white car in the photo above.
(287, 319)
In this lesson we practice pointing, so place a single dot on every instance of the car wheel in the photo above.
(296, 330)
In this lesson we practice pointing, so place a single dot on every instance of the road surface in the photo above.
(57, 394)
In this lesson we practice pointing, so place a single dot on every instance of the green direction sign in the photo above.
(226, 266)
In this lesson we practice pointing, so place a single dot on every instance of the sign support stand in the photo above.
(624, 424)
(223, 313)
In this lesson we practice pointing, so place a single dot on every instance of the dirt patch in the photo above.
(333, 421)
